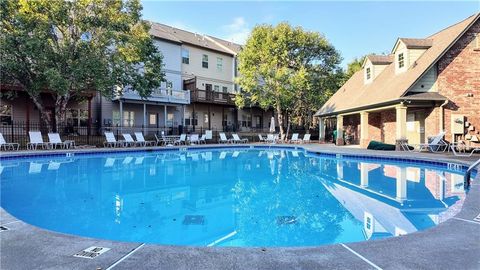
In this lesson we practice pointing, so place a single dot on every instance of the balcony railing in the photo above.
(159, 95)
(199, 95)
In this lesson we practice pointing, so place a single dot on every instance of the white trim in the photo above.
(361, 257)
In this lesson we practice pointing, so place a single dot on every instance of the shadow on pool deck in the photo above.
(454, 244)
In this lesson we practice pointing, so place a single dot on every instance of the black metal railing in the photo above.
(93, 135)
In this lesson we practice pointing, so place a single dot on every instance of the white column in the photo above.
(165, 115)
(401, 191)
(339, 138)
(363, 174)
(121, 115)
(321, 130)
(144, 118)
(364, 140)
(401, 122)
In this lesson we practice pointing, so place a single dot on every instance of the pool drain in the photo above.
(91, 252)
(193, 220)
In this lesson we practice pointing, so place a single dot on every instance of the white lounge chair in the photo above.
(208, 135)
(36, 140)
(181, 140)
(203, 139)
(295, 138)
(111, 141)
(237, 139)
(235, 154)
(306, 138)
(460, 149)
(161, 140)
(7, 146)
(223, 138)
(270, 138)
(261, 138)
(141, 140)
(194, 139)
(129, 141)
(35, 168)
(55, 140)
(436, 145)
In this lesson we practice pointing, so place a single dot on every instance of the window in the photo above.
(169, 85)
(205, 118)
(128, 118)
(185, 56)
(225, 120)
(369, 73)
(369, 223)
(77, 117)
(170, 117)
(401, 61)
(116, 118)
(216, 88)
(6, 114)
(219, 64)
(225, 89)
(152, 119)
(205, 61)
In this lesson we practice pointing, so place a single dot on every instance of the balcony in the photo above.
(205, 96)
(158, 95)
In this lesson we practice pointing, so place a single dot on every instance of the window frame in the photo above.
(368, 73)
(401, 62)
(185, 59)
(219, 64)
(205, 63)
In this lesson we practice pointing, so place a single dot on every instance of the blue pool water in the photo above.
(229, 197)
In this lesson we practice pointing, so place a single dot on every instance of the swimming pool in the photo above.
(230, 196)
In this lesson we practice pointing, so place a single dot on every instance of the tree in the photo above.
(354, 66)
(282, 67)
(66, 49)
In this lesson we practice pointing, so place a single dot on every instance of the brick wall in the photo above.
(458, 77)
(382, 126)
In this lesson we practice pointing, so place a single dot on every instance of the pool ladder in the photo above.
(466, 179)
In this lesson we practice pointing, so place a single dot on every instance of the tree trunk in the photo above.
(45, 117)
(60, 111)
(280, 119)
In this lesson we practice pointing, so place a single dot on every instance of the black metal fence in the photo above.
(93, 135)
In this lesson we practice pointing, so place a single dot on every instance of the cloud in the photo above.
(237, 31)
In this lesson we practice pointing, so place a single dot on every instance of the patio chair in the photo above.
(141, 140)
(55, 140)
(436, 145)
(129, 141)
(36, 140)
(110, 141)
(181, 140)
(460, 149)
(237, 139)
(223, 138)
(261, 138)
(208, 135)
(295, 138)
(5, 145)
(161, 140)
(203, 139)
(306, 138)
(270, 138)
(194, 139)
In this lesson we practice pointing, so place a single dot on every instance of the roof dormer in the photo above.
(407, 51)
(373, 65)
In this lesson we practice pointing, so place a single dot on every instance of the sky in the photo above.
(355, 28)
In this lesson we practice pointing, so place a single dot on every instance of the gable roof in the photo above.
(389, 87)
(170, 33)
(378, 59)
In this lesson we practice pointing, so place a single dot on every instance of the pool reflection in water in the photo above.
(241, 197)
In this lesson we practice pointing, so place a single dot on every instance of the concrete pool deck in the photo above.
(452, 244)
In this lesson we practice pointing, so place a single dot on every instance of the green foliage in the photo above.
(354, 66)
(72, 48)
(289, 69)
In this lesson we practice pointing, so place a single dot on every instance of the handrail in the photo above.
(466, 179)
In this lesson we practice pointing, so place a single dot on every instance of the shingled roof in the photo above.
(378, 59)
(389, 87)
(170, 33)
